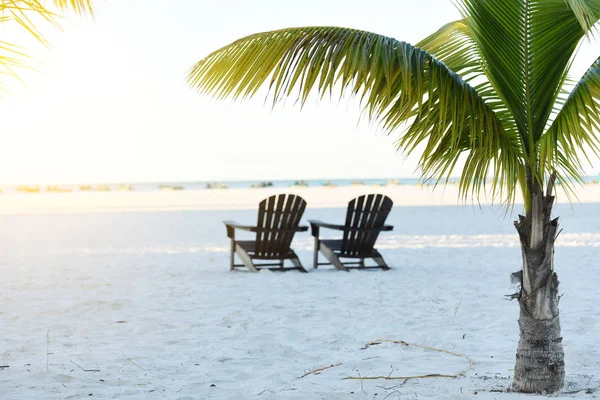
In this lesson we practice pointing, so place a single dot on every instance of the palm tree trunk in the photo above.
(540, 366)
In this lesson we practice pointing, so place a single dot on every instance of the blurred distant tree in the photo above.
(21, 18)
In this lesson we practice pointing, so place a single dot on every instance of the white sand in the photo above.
(145, 303)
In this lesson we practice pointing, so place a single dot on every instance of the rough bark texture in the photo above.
(540, 366)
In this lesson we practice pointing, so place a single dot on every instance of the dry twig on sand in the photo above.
(84, 370)
(47, 347)
(317, 370)
(407, 378)
(391, 393)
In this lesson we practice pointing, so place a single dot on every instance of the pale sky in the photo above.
(111, 103)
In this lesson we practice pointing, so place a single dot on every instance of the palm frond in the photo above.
(25, 14)
(575, 130)
(28, 16)
(79, 6)
(454, 45)
(12, 58)
(397, 83)
(527, 47)
(585, 11)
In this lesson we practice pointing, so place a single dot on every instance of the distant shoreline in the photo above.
(207, 185)
(245, 198)
(210, 185)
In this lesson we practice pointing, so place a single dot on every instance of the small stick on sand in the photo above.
(137, 365)
(389, 388)
(316, 371)
(457, 307)
(47, 347)
(407, 378)
(84, 370)
(395, 391)
(404, 378)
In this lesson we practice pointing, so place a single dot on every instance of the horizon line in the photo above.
(132, 182)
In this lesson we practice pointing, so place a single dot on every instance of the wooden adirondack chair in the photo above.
(278, 219)
(365, 218)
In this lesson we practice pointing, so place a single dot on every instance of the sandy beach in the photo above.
(141, 305)
(132, 130)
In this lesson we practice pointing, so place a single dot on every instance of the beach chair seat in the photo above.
(278, 221)
(365, 219)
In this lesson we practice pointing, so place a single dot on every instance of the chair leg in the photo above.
(245, 259)
(332, 258)
(297, 263)
(361, 263)
(316, 254)
(380, 262)
(231, 255)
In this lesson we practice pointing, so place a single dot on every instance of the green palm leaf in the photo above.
(454, 45)
(397, 83)
(527, 46)
(575, 129)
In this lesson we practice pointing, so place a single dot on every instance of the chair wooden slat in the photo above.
(366, 219)
(349, 215)
(374, 202)
(263, 222)
(260, 223)
(283, 219)
(292, 220)
(379, 217)
(355, 218)
(278, 220)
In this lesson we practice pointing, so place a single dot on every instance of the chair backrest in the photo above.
(278, 212)
(368, 212)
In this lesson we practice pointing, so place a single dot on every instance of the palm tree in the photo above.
(490, 88)
(27, 16)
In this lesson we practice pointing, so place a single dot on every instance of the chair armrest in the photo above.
(232, 226)
(315, 225)
(236, 225)
(287, 230)
(322, 224)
